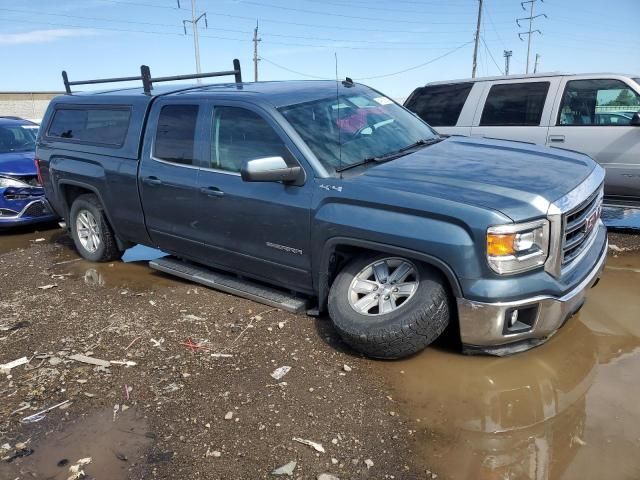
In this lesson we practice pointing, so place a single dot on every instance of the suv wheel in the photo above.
(91, 233)
(388, 307)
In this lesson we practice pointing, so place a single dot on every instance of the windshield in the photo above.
(18, 138)
(364, 122)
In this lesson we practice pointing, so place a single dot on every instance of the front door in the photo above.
(594, 117)
(260, 229)
(169, 177)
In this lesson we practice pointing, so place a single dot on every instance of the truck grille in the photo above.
(579, 226)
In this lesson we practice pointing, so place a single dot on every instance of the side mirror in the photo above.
(635, 120)
(269, 169)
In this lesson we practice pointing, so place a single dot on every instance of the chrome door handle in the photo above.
(556, 138)
(212, 192)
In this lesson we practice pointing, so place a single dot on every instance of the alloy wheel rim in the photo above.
(88, 231)
(383, 286)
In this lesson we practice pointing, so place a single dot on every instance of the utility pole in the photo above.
(507, 57)
(194, 24)
(535, 66)
(531, 18)
(475, 48)
(256, 59)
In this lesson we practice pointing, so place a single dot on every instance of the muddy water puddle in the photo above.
(114, 443)
(569, 409)
(11, 240)
(132, 272)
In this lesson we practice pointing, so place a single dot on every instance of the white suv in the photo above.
(597, 114)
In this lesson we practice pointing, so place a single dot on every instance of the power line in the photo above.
(415, 67)
(324, 26)
(292, 71)
(218, 37)
(280, 35)
(341, 15)
(420, 65)
(491, 55)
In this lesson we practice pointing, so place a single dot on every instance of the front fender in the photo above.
(447, 244)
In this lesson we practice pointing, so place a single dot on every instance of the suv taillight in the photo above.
(39, 171)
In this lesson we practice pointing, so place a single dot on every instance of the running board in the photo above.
(229, 283)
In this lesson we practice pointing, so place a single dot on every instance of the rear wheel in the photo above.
(91, 233)
(388, 307)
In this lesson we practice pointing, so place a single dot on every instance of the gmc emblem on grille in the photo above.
(591, 220)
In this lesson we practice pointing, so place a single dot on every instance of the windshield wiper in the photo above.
(392, 155)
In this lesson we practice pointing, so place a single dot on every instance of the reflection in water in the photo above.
(93, 278)
(565, 410)
(621, 218)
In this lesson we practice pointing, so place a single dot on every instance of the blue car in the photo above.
(22, 198)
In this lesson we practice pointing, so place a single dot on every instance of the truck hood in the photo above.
(517, 179)
(19, 164)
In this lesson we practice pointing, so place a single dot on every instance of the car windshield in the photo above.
(18, 138)
(358, 125)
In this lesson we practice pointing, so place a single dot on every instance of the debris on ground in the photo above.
(285, 469)
(326, 476)
(6, 367)
(369, 463)
(346, 368)
(193, 361)
(90, 360)
(36, 417)
(316, 446)
(48, 287)
(280, 372)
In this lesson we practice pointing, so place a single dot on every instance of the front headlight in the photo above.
(6, 182)
(518, 247)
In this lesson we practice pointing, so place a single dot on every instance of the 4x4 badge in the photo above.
(331, 187)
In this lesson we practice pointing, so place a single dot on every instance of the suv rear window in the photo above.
(515, 104)
(103, 126)
(439, 105)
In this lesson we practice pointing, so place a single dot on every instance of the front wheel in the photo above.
(91, 233)
(388, 307)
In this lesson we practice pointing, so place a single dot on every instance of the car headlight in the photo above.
(6, 182)
(518, 247)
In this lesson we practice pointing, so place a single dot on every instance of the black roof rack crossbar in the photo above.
(148, 81)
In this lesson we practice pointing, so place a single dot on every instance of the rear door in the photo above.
(516, 110)
(168, 176)
(260, 229)
(593, 116)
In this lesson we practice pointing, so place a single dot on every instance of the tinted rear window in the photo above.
(439, 105)
(515, 104)
(104, 126)
(176, 134)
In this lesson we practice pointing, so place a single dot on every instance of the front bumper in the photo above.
(35, 211)
(482, 325)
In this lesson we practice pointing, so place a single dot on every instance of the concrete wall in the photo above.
(30, 105)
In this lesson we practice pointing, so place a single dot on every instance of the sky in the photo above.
(391, 45)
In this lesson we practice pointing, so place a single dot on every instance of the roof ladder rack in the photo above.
(148, 81)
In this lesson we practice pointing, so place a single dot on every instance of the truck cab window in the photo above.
(605, 102)
(175, 137)
(515, 104)
(239, 135)
(439, 105)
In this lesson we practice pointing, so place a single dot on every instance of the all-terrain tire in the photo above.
(415, 323)
(107, 250)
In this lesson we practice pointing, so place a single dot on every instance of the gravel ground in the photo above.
(198, 415)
